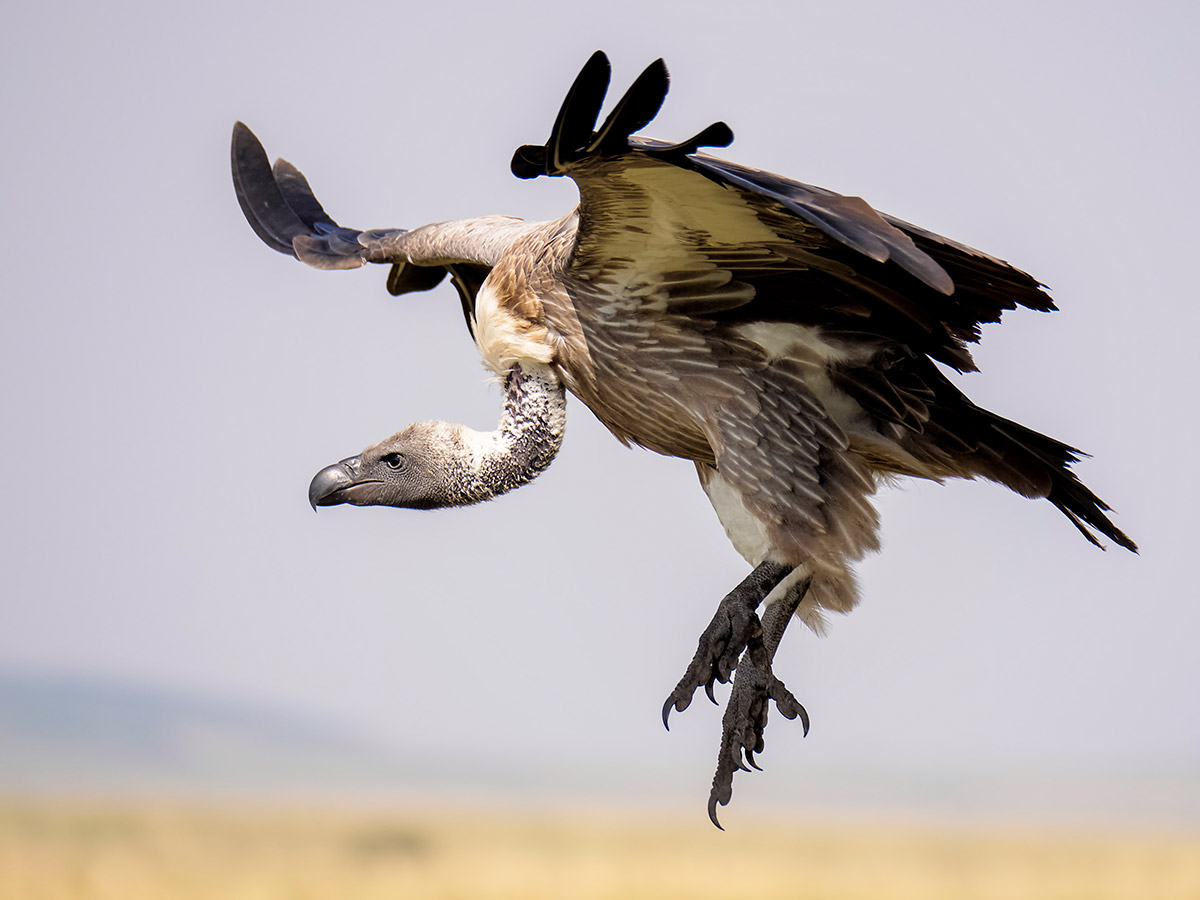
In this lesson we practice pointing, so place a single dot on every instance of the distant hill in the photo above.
(65, 734)
(62, 732)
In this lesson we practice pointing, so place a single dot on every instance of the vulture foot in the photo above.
(730, 632)
(738, 643)
(745, 719)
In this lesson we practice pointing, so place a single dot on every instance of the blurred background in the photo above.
(176, 622)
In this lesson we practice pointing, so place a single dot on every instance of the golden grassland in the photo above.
(181, 851)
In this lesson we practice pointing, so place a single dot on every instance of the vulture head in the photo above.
(413, 469)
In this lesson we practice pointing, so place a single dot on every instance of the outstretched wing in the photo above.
(281, 208)
(668, 231)
(669, 224)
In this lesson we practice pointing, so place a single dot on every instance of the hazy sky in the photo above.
(170, 385)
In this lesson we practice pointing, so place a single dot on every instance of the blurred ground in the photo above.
(188, 851)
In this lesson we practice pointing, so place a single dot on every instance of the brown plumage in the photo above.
(780, 336)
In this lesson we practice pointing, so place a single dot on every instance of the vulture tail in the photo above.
(1031, 459)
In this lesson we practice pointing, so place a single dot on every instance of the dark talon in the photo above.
(733, 626)
(754, 687)
(789, 707)
(712, 811)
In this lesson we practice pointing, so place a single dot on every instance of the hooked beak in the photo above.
(331, 480)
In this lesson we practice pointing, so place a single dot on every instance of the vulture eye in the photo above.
(396, 460)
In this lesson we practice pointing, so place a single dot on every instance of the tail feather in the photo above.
(1021, 446)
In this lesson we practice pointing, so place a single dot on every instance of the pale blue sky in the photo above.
(170, 385)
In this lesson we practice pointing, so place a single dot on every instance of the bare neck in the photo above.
(523, 445)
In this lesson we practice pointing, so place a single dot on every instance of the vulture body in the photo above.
(780, 336)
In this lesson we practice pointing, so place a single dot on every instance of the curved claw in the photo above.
(792, 709)
(666, 713)
(712, 808)
(787, 704)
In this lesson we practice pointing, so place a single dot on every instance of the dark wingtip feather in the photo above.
(572, 130)
(262, 203)
(572, 137)
(281, 208)
(529, 161)
(634, 111)
(298, 195)
(718, 134)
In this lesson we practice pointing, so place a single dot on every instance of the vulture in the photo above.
(782, 337)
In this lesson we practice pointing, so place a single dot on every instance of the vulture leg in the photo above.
(732, 628)
(754, 686)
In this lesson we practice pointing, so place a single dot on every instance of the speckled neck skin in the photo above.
(523, 445)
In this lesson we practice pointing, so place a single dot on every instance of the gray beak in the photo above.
(325, 484)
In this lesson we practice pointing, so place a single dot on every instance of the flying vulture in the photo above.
(782, 337)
